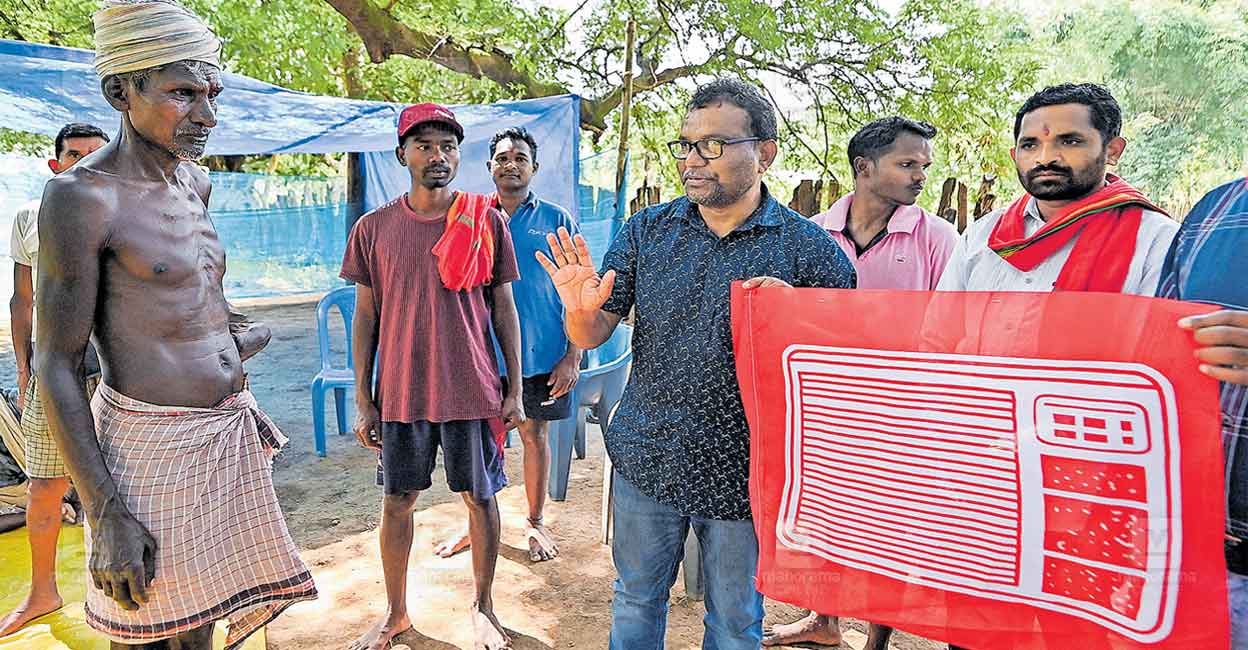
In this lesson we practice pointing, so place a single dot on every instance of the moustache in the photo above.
(437, 168)
(198, 134)
(1049, 169)
(702, 177)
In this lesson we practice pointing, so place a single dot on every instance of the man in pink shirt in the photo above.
(893, 244)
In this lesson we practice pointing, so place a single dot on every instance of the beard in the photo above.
(187, 153)
(716, 195)
(433, 182)
(189, 144)
(1070, 183)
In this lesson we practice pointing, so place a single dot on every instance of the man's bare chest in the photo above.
(167, 239)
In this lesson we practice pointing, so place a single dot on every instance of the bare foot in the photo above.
(30, 609)
(816, 629)
(487, 632)
(453, 545)
(379, 636)
(541, 546)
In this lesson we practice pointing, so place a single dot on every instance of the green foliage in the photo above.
(305, 45)
(57, 22)
(27, 144)
(1180, 71)
(962, 68)
(1178, 67)
(830, 67)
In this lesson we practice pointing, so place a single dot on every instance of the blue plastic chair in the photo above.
(337, 378)
(599, 390)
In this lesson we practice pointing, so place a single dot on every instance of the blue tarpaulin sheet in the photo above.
(554, 123)
(42, 87)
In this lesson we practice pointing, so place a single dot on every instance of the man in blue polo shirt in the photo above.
(551, 363)
(1207, 264)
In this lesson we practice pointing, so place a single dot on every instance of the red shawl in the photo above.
(466, 250)
(1102, 255)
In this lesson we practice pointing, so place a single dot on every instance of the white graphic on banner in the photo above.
(1052, 483)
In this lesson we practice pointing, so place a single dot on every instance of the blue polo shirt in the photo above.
(542, 339)
(680, 434)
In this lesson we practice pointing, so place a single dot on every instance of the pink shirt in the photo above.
(911, 256)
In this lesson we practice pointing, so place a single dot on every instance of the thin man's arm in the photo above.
(364, 343)
(123, 552)
(507, 328)
(574, 352)
(21, 310)
(69, 254)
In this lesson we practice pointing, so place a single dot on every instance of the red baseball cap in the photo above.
(418, 114)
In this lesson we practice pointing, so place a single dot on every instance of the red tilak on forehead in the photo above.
(1046, 129)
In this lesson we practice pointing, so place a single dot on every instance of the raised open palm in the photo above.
(572, 270)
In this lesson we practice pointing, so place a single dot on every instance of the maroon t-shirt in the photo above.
(435, 355)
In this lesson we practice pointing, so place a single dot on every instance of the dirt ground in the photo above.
(332, 507)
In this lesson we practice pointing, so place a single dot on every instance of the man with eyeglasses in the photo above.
(679, 441)
(37, 452)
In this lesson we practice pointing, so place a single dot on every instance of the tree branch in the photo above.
(385, 36)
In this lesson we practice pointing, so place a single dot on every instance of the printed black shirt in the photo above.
(680, 433)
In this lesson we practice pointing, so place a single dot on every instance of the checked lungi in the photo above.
(200, 481)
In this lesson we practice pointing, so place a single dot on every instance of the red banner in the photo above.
(995, 470)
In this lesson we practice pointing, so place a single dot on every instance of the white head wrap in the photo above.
(132, 36)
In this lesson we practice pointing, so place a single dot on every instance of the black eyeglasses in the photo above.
(708, 148)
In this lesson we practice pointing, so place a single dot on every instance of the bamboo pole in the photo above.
(625, 106)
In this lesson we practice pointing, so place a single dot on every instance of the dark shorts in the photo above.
(470, 453)
(535, 393)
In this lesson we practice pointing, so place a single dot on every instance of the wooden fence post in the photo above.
(963, 207)
(806, 198)
(646, 197)
(985, 199)
(946, 197)
(834, 191)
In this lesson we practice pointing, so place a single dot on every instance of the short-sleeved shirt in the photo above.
(911, 252)
(24, 244)
(435, 359)
(1209, 263)
(24, 240)
(543, 341)
(24, 249)
(976, 267)
(680, 433)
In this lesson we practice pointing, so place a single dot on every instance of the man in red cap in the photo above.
(432, 270)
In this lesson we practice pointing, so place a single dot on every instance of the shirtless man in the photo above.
(48, 484)
(173, 468)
